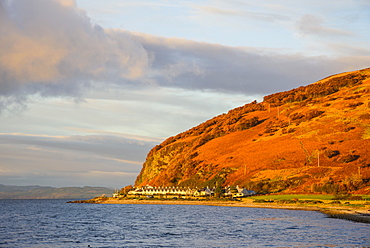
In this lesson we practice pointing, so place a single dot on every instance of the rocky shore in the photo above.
(341, 212)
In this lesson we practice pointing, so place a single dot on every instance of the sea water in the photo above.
(55, 223)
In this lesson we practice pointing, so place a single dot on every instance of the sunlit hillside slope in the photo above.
(315, 138)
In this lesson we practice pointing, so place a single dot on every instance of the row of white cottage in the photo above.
(183, 191)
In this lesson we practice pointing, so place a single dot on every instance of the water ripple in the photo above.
(53, 223)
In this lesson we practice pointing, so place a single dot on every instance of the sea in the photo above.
(56, 223)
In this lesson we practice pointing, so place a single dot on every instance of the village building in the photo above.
(238, 192)
(151, 191)
(203, 192)
(116, 193)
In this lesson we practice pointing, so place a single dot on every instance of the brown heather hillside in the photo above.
(311, 139)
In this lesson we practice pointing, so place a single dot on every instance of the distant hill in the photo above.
(42, 192)
(311, 139)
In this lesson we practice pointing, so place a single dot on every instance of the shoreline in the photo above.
(340, 212)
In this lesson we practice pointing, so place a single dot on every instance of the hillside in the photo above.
(43, 192)
(314, 138)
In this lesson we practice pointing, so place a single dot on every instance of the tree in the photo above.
(126, 189)
(218, 191)
(233, 189)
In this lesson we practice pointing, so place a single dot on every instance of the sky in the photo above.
(88, 87)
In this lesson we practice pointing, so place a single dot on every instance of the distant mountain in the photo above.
(314, 138)
(42, 192)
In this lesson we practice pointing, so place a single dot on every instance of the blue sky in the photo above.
(88, 87)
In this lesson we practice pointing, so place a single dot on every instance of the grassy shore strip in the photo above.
(348, 213)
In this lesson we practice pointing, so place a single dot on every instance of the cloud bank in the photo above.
(52, 48)
(119, 148)
(69, 160)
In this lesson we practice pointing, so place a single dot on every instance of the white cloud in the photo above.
(117, 134)
(68, 3)
(249, 14)
(315, 25)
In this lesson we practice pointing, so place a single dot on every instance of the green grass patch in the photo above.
(355, 205)
(301, 197)
(290, 197)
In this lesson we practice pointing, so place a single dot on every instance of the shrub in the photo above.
(311, 201)
(312, 114)
(271, 128)
(348, 158)
(244, 124)
(296, 116)
(286, 201)
(261, 201)
(355, 198)
(354, 105)
(347, 129)
(341, 196)
(351, 97)
(365, 116)
(299, 117)
(290, 130)
(330, 153)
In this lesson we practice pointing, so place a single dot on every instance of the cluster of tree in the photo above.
(205, 177)
(275, 186)
(331, 153)
(348, 158)
(300, 117)
(274, 126)
(316, 90)
(124, 191)
(297, 118)
(346, 196)
(351, 183)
